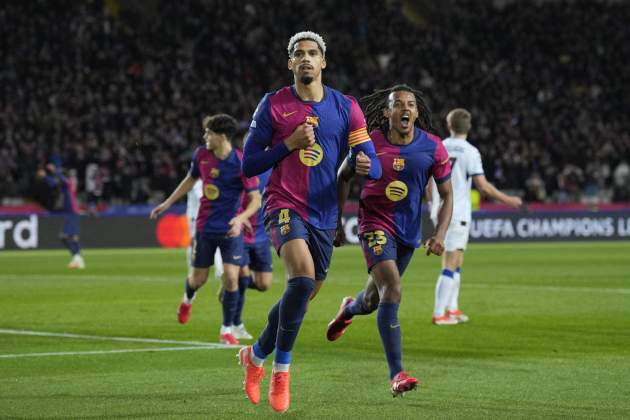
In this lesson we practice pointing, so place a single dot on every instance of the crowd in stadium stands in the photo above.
(116, 91)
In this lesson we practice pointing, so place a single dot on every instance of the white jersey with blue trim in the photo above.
(465, 163)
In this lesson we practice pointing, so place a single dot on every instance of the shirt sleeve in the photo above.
(476, 166)
(261, 127)
(194, 165)
(250, 184)
(441, 168)
(357, 129)
(258, 156)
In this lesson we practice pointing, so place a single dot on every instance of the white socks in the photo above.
(443, 292)
(453, 303)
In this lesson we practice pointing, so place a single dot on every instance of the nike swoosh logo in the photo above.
(382, 153)
(237, 258)
(394, 326)
(288, 114)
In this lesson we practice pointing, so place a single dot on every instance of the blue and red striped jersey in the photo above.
(223, 182)
(305, 180)
(393, 203)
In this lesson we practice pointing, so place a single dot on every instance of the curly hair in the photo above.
(374, 104)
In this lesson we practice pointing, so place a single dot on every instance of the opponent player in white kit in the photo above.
(466, 169)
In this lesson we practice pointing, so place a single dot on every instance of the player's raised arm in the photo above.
(258, 154)
(363, 160)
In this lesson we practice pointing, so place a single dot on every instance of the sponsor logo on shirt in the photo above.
(312, 155)
(211, 191)
(396, 190)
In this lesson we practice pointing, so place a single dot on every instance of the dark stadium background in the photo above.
(115, 90)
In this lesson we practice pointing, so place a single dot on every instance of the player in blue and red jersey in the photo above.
(71, 224)
(256, 265)
(303, 132)
(218, 164)
(389, 214)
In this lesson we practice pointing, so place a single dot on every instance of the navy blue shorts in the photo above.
(71, 225)
(206, 244)
(381, 246)
(258, 256)
(284, 225)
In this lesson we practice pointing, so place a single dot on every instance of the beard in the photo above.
(306, 79)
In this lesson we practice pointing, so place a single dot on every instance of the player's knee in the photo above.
(230, 282)
(302, 286)
(262, 281)
(391, 294)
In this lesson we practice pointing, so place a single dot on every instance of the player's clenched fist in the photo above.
(434, 245)
(301, 138)
(362, 164)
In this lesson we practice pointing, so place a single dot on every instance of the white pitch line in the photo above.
(81, 353)
(123, 339)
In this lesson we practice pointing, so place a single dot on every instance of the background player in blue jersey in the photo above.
(303, 132)
(218, 164)
(70, 207)
(256, 265)
(389, 214)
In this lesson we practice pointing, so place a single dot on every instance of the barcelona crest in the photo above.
(377, 250)
(312, 120)
(214, 172)
(284, 229)
(399, 164)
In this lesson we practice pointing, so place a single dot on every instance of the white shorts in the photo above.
(457, 236)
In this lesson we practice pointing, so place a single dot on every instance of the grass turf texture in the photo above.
(549, 337)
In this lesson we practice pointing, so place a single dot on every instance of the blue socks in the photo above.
(357, 307)
(284, 321)
(292, 310)
(243, 284)
(267, 341)
(230, 302)
(72, 245)
(389, 329)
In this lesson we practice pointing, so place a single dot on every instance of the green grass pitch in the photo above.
(549, 337)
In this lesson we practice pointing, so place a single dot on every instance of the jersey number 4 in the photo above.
(284, 217)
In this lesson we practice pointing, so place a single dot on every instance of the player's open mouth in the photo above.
(404, 120)
(305, 67)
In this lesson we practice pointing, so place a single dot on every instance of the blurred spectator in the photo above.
(119, 96)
